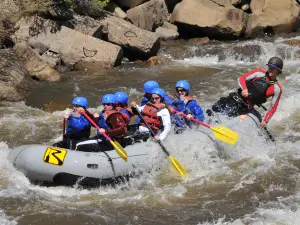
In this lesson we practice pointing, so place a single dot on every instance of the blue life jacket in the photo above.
(188, 106)
(78, 127)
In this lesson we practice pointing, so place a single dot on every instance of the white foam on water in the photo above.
(5, 220)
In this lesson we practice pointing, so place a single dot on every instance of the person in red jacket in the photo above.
(256, 87)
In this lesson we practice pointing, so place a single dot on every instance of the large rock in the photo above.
(149, 15)
(129, 3)
(136, 43)
(72, 45)
(276, 16)
(14, 78)
(166, 33)
(207, 18)
(37, 68)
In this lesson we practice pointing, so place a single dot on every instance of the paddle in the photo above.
(119, 149)
(175, 163)
(221, 132)
(64, 127)
(266, 130)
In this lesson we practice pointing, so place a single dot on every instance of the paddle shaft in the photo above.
(95, 125)
(193, 119)
(152, 132)
(64, 127)
(267, 131)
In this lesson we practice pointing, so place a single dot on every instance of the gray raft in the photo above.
(61, 166)
(47, 164)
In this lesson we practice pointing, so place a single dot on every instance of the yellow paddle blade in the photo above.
(225, 134)
(119, 149)
(176, 164)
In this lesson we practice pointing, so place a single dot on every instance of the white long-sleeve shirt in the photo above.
(166, 120)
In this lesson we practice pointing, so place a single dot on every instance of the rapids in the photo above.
(255, 182)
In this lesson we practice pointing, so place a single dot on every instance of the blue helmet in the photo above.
(109, 98)
(183, 84)
(159, 92)
(82, 101)
(122, 97)
(150, 85)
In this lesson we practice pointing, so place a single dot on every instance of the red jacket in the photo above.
(274, 90)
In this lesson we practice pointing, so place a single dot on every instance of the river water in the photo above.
(253, 183)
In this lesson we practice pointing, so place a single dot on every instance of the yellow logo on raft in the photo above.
(55, 156)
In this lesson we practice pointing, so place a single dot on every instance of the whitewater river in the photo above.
(255, 182)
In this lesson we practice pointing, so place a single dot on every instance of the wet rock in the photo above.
(136, 43)
(212, 20)
(156, 60)
(267, 19)
(14, 78)
(198, 41)
(37, 68)
(166, 33)
(129, 3)
(149, 15)
(293, 42)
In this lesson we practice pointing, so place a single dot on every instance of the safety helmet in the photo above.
(183, 84)
(122, 97)
(159, 92)
(276, 63)
(150, 85)
(109, 98)
(81, 101)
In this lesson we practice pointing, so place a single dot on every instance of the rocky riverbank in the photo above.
(84, 35)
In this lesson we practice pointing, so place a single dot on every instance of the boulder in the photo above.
(14, 78)
(88, 26)
(37, 68)
(257, 6)
(275, 16)
(79, 47)
(129, 3)
(136, 43)
(166, 33)
(212, 20)
(149, 15)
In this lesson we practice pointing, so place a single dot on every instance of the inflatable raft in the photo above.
(60, 166)
(52, 165)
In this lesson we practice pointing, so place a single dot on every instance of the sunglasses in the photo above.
(180, 90)
(155, 98)
(108, 104)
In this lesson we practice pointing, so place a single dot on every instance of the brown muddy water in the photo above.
(255, 182)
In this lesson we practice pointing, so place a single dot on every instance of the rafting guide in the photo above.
(256, 87)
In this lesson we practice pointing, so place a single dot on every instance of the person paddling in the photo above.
(186, 104)
(111, 122)
(78, 127)
(156, 115)
(256, 87)
(122, 105)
